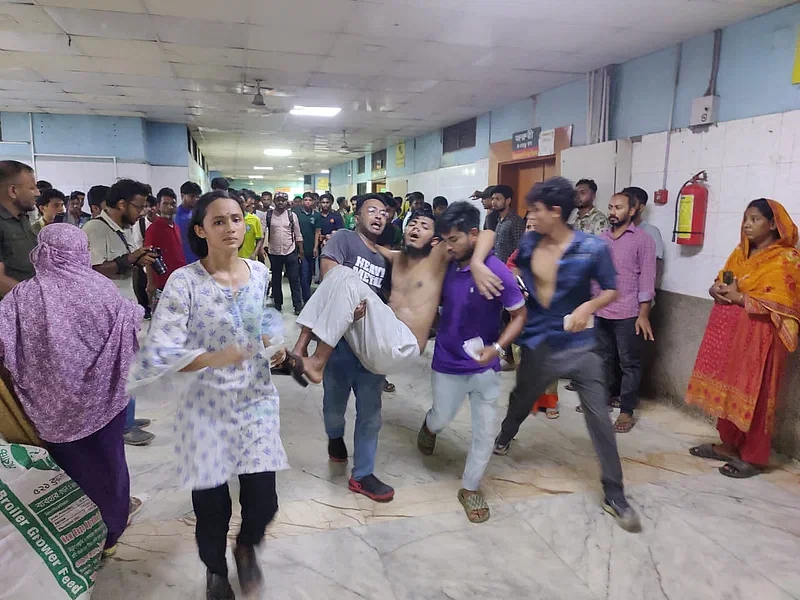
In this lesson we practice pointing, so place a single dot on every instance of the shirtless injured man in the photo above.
(385, 338)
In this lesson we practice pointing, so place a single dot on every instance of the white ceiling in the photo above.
(398, 68)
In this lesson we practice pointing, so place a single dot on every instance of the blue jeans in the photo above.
(130, 414)
(307, 266)
(344, 372)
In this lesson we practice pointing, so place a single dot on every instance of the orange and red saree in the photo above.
(743, 351)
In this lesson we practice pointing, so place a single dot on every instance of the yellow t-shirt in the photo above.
(253, 233)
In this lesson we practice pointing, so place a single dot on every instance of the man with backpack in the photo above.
(285, 238)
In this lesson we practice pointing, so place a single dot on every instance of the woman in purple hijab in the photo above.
(68, 338)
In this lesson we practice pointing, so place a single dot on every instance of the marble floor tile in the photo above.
(705, 537)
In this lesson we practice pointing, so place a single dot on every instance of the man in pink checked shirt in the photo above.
(620, 324)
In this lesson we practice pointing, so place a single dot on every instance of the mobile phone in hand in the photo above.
(727, 277)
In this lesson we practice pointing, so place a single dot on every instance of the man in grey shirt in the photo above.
(358, 251)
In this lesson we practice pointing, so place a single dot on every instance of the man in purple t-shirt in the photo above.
(467, 315)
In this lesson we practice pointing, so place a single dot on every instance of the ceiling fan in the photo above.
(345, 147)
(258, 99)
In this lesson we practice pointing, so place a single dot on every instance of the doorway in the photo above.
(522, 175)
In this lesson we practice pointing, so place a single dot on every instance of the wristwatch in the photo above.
(500, 352)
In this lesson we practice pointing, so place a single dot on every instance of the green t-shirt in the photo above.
(349, 221)
(309, 223)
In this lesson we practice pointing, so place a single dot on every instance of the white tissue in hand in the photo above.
(473, 348)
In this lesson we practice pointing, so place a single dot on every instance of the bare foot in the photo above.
(312, 369)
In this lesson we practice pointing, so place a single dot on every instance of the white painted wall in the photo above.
(68, 175)
(172, 177)
(745, 159)
(454, 183)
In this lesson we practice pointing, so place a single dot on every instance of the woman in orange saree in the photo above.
(752, 328)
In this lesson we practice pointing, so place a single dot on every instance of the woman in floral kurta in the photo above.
(206, 348)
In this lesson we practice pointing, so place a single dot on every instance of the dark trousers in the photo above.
(307, 268)
(97, 464)
(540, 367)
(621, 349)
(290, 262)
(212, 507)
(139, 279)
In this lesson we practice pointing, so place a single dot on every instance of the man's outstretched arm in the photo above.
(489, 285)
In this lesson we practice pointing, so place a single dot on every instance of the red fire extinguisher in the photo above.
(690, 211)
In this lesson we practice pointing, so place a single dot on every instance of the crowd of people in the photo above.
(568, 287)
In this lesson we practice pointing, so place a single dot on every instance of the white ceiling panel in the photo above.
(24, 17)
(230, 11)
(399, 21)
(25, 41)
(207, 72)
(275, 39)
(102, 48)
(204, 55)
(132, 67)
(133, 6)
(306, 16)
(283, 61)
(397, 68)
(191, 32)
(104, 23)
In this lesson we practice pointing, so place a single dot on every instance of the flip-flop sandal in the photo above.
(474, 505)
(134, 506)
(625, 426)
(739, 469)
(292, 365)
(707, 451)
(388, 387)
(552, 413)
(615, 403)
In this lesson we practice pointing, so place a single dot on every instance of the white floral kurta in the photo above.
(227, 421)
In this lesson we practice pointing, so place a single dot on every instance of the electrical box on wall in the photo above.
(705, 110)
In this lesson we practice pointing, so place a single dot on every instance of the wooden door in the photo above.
(522, 176)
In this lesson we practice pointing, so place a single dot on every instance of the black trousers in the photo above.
(212, 507)
(541, 366)
(139, 280)
(292, 265)
(621, 350)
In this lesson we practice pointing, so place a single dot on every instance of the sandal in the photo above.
(552, 413)
(292, 365)
(134, 506)
(426, 441)
(707, 451)
(388, 387)
(474, 505)
(739, 469)
(624, 424)
(615, 402)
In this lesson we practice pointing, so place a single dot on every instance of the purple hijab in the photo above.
(68, 338)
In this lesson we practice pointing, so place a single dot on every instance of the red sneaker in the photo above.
(373, 488)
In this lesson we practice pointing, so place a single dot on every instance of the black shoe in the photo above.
(337, 450)
(373, 488)
(138, 437)
(297, 311)
(250, 576)
(624, 514)
(218, 587)
(501, 449)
